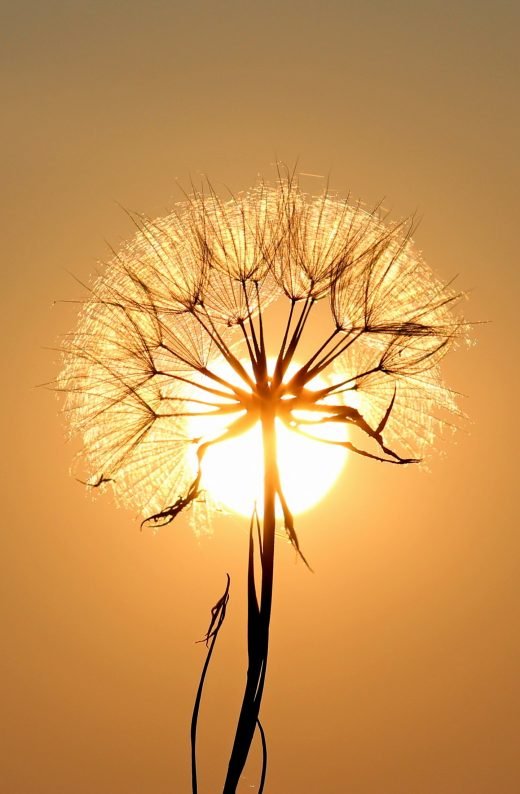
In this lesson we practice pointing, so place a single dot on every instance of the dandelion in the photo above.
(175, 332)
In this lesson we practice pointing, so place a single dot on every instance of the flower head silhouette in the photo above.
(188, 300)
(190, 292)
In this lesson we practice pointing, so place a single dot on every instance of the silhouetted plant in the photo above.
(188, 299)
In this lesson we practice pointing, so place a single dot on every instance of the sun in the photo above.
(233, 471)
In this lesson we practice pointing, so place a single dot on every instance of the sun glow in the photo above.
(233, 471)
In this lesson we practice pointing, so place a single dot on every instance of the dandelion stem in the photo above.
(279, 360)
(218, 614)
(295, 339)
(264, 757)
(339, 348)
(259, 615)
(201, 386)
(263, 353)
(252, 356)
(336, 388)
(250, 321)
(228, 355)
(321, 348)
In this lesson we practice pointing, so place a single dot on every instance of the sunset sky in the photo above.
(394, 666)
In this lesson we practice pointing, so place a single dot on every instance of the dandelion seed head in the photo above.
(192, 291)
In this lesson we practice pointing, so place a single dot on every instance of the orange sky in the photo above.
(394, 667)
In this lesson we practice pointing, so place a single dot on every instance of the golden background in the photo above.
(394, 667)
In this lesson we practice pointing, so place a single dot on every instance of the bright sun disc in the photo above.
(233, 470)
